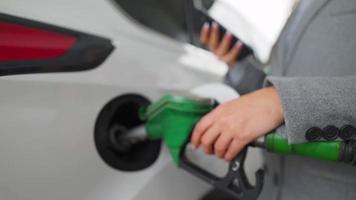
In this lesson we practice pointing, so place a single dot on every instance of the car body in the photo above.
(47, 147)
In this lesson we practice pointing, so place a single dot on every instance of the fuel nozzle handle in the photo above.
(235, 182)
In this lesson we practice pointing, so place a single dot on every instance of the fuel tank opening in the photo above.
(119, 135)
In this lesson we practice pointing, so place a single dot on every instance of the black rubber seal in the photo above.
(123, 110)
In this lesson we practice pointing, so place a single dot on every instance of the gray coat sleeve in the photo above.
(246, 76)
(315, 102)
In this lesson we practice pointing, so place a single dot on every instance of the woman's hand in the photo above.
(232, 125)
(210, 37)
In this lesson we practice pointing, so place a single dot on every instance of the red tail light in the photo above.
(28, 46)
(19, 42)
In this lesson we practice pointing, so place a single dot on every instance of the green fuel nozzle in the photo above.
(172, 119)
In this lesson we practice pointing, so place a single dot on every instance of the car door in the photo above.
(61, 64)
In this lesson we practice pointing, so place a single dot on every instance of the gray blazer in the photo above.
(313, 67)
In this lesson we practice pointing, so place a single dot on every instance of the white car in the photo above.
(71, 70)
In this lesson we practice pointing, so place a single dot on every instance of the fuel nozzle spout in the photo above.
(123, 139)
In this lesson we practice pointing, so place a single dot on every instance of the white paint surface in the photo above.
(47, 121)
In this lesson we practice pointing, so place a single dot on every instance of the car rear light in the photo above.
(19, 42)
(28, 46)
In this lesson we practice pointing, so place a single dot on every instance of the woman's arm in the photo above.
(319, 102)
